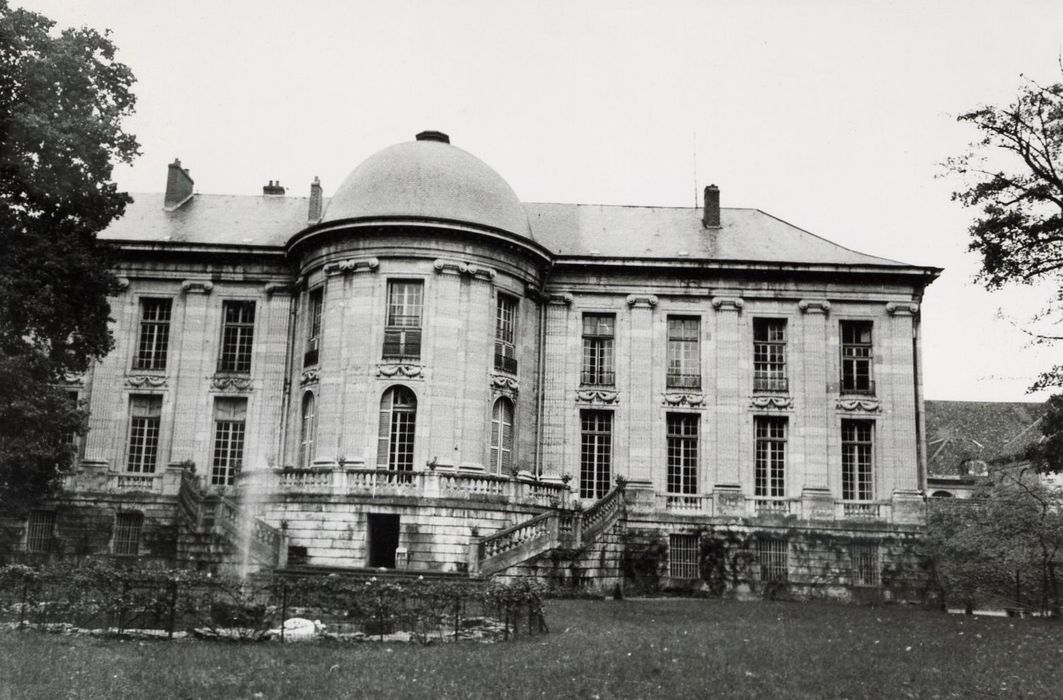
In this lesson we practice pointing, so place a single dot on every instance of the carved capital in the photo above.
(814, 306)
(229, 382)
(398, 370)
(309, 376)
(197, 286)
(533, 292)
(675, 398)
(904, 308)
(858, 405)
(450, 267)
(779, 403)
(560, 298)
(72, 379)
(727, 303)
(272, 288)
(146, 381)
(597, 396)
(647, 300)
(350, 266)
(123, 284)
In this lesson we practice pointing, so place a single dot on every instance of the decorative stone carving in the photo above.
(351, 265)
(228, 382)
(858, 405)
(727, 303)
(771, 402)
(597, 396)
(272, 288)
(197, 286)
(146, 381)
(123, 284)
(906, 308)
(648, 300)
(483, 273)
(457, 267)
(560, 298)
(814, 306)
(309, 376)
(505, 382)
(72, 378)
(533, 292)
(391, 370)
(681, 399)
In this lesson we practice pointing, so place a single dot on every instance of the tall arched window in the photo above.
(307, 431)
(502, 436)
(398, 422)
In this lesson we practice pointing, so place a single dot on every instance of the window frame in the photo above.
(404, 332)
(683, 352)
(854, 354)
(858, 475)
(865, 560)
(315, 309)
(683, 556)
(769, 456)
(153, 335)
(125, 542)
(397, 430)
(598, 361)
(242, 332)
(773, 556)
(770, 370)
(506, 332)
(502, 440)
(143, 437)
(40, 536)
(683, 451)
(307, 428)
(596, 475)
(230, 440)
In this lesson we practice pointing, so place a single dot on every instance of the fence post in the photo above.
(22, 608)
(284, 607)
(173, 608)
(121, 607)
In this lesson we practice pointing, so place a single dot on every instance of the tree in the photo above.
(63, 98)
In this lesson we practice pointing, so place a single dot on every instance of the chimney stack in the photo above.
(711, 218)
(178, 186)
(274, 189)
(315, 201)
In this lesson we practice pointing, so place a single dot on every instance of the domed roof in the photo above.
(429, 178)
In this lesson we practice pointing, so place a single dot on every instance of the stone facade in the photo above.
(424, 345)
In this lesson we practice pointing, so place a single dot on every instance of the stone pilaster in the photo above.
(448, 371)
(193, 358)
(361, 350)
(109, 403)
(815, 420)
(555, 389)
(329, 405)
(477, 359)
(726, 399)
(900, 466)
(639, 375)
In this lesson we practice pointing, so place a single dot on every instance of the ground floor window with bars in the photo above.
(596, 453)
(682, 441)
(230, 419)
(127, 527)
(40, 530)
(683, 556)
(773, 554)
(857, 449)
(865, 563)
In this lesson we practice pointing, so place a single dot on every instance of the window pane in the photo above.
(598, 350)
(684, 353)
(856, 357)
(769, 457)
(143, 443)
(154, 338)
(595, 453)
(237, 336)
(769, 355)
(229, 431)
(682, 441)
(857, 451)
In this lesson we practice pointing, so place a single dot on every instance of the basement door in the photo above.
(383, 533)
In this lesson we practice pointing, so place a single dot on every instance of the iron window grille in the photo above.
(598, 336)
(857, 351)
(769, 456)
(154, 340)
(682, 439)
(684, 353)
(857, 460)
(402, 331)
(505, 334)
(230, 420)
(502, 436)
(596, 453)
(143, 453)
(865, 563)
(127, 528)
(237, 336)
(40, 531)
(773, 555)
(315, 302)
(769, 355)
(683, 556)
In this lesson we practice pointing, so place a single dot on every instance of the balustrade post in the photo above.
(430, 484)
(473, 555)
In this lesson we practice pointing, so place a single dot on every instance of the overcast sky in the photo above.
(833, 116)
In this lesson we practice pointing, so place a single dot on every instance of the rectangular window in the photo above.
(857, 446)
(402, 334)
(864, 557)
(683, 556)
(774, 557)
(40, 531)
(596, 453)
(682, 441)
(230, 420)
(769, 355)
(145, 412)
(154, 334)
(856, 358)
(684, 353)
(505, 334)
(313, 326)
(72, 439)
(237, 336)
(598, 334)
(127, 527)
(769, 457)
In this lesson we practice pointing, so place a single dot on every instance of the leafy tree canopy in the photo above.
(63, 98)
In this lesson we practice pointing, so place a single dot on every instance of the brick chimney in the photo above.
(273, 188)
(711, 218)
(315, 201)
(178, 186)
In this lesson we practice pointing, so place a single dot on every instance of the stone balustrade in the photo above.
(906, 510)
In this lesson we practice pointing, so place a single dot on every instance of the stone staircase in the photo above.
(211, 527)
(567, 532)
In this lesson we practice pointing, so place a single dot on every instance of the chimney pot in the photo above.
(711, 217)
(314, 214)
(273, 188)
(178, 185)
(433, 136)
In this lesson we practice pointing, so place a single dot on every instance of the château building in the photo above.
(424, 372)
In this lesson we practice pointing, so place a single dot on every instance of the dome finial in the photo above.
(433, 136)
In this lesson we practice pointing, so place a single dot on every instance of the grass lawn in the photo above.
(626, 649)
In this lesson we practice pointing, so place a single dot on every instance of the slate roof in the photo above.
(958, 431)
(578, 230)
